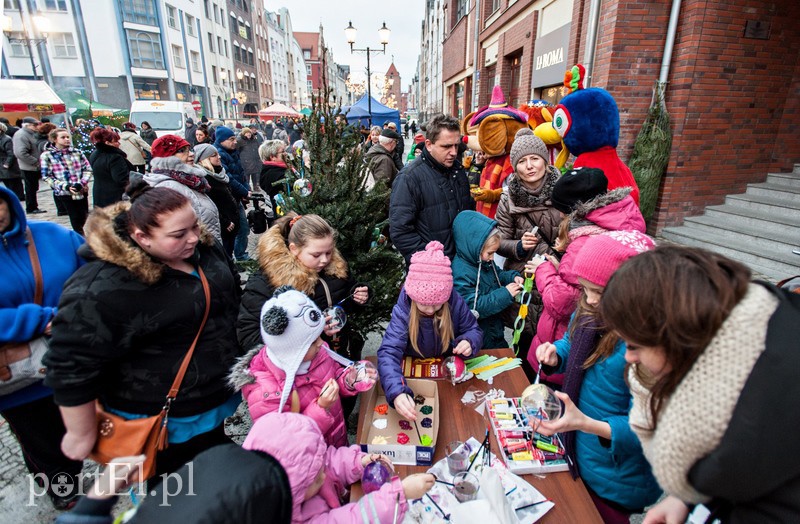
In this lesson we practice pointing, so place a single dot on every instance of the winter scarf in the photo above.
(696, 416)
(582, 343)
(189, 176)
(275, 163)
(524, 197)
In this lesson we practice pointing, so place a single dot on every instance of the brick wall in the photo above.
(454, 50)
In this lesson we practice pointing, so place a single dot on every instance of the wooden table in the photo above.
(459, 422)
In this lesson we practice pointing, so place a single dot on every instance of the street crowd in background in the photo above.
(632, 336)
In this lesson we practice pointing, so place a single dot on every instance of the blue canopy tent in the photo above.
(359, 113)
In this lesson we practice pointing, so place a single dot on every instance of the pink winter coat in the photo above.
(263, 388)
(613, 211)
(296, 442)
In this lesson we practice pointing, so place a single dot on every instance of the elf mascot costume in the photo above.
(491, 129)
(588, 122)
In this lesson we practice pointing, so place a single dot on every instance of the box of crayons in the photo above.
(523, 450)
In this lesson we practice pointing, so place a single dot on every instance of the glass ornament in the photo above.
(361, 376)
(338, 317)
(541, 403)
(375, 475)
(302, 186)
(454, 369)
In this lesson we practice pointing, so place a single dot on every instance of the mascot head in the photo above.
(491, 129)
(586, 119)
(540, 119)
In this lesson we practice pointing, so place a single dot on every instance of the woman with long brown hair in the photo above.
(714, 360)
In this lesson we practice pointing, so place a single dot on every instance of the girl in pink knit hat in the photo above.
(430, 319)
(598, 439)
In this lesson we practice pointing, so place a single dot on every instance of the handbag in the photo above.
(119, 437)
(21, 362)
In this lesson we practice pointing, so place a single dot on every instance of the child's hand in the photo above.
(375, 457)
(329, 329)
(519, 280)
(415, 486)
(463, 348)
(361, 295)
(671, 509)
(532, 264)
(405, 406)
(546, 354)
(553, 260)
(529, 240)
(514, 288)
(329, 394)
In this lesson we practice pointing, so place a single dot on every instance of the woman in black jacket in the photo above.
(207, 157)
(127, 318)
(110, 167)
(273, 169)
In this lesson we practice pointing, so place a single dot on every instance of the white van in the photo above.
(164, 116)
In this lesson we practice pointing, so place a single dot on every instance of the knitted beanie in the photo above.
(290, 323)
(603, 254)
(579, 185)
(223, 133)
(203, 151)
(167, 145)
(430, 280)
(526, 143)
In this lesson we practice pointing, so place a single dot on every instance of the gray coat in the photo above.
(26, 149)
(133, 146)
(248, 153)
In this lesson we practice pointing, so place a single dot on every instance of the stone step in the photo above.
(752, 218)
(784, 179)
(766, 204)
(787, 193)
(776, 265)
(770, 238)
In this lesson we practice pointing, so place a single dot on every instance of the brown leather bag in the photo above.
(118, 437)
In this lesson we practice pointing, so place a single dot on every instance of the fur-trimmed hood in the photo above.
(240, 375)
(615, 210)
(173, 163)
(282, 268)
(106, 244)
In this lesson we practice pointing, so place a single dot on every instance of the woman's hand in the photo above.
(328, 329)
(573, 418)
(48, 329)
(546, 354)
(329, 394)
(529, 240)
(120, 473)
(671, 510)
(77, 446)
(361, 295)
(368, 458)
(464, 348)
(405, 407)
(415, 486)
(230, 227)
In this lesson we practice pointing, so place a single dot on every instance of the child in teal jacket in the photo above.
(476, 274)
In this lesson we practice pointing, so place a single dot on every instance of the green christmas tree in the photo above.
(338, 176)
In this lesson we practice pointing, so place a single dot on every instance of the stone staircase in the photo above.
(760, 228)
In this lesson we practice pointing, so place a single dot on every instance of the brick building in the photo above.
(733, 91)
(243, 41)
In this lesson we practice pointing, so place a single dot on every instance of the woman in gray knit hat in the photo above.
(524, 206)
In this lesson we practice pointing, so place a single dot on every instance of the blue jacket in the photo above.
(20, 319)
(620, 472)
(470, 230)
(233, 166)
(396, 344)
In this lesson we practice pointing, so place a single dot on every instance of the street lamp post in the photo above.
(40, 22)
(236, 94)
(383, 34)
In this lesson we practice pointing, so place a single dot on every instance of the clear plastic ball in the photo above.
(361, 376)
(454, 369)
(375, 475)
(541, 403)
(338, 317)
(302, 186)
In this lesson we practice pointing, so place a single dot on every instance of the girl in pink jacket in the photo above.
(320, 475)
(293, 370)
(589, 209)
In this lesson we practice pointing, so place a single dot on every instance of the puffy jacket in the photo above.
(248, 153)
(227, 206)
(26, 149)
(230, 161)
(201, 203)
(142, 316)
(471, 229)
(261, 382)
(111, 170)
(9, 167)
(612, 211)
(134, 147)
(396, 344)
(618, 472)
(296, 442)
(426, 198)
(20, 319)
(148, 135)
(381, 164)
(515, 217)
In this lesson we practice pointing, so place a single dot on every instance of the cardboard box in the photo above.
(431, 368)
(413, 453)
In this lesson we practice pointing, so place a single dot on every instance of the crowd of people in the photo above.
(669, 361)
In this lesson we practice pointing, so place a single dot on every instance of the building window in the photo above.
(190, 25)
(11, 4)
(307, 54)
(145, 49)
(250, 58)
(226, 48)
(139, 11)
(195, 58)
(461, 10)
(63, 45)
(210, 43)
(308, 70)
(206, 9)
(237, 53)
(19, 49)
(516, 80)
(495, 5)
(214, 74)
(177, 56)
(144, 90)
(244, 6)
(216, 13)
(55, 5)
(234, 26)
(221, 17)
(172, 19)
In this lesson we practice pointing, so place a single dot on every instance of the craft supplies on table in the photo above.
(522, 449)
(486, 367)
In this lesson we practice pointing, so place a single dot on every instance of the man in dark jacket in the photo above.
(379, 157)
(397, 154)
(429, 192)
(269, 129)
(225, 142)
(189, 134)
(26, 149)
(9, 168)
(10, 130)
(247, 144)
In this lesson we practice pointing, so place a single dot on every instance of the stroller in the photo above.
(258, 218)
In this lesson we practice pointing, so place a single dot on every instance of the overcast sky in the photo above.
(403, 18)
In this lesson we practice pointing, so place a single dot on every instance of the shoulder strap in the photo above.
(327, 290)
(38, 294)
(176, 384)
